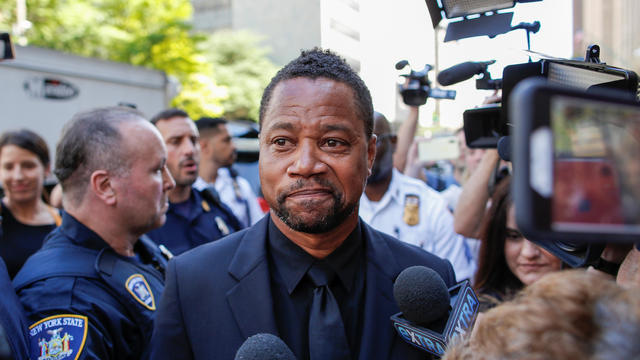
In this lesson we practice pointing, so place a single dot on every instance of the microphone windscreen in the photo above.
(504, 148)
(421, 295)
(264, 347)
(459, 73)
(401, 64)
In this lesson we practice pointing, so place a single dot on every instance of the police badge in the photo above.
(141, 291)
(411, 214)
(58, 337)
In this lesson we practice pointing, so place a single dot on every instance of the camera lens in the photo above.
(570, 246)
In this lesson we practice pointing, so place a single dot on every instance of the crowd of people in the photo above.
(158, 249)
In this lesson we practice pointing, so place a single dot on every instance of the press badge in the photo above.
(58, 337)
(411, 214)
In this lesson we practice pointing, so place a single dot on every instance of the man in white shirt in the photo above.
(408, 209)
(218, 153)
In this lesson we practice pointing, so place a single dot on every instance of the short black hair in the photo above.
(317, 63)
(168, 114)
(27, 140)
(91, 141)
(210, 125)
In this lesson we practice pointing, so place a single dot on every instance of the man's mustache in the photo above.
(302, 184)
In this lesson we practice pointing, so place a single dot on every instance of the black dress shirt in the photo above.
(293, 291)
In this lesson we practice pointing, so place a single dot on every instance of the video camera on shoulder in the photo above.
(485, 126)
(418, 87)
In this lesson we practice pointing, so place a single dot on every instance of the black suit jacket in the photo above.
(219, 294)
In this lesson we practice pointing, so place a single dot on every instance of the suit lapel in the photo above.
(378, 335)
(250, 300)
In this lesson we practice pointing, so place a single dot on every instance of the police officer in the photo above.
(194, 217)
(91, 291)
(218, 155)
(13, 323)
(408, 209)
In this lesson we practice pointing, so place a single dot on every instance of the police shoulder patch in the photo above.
(58, 337)
(139, 288)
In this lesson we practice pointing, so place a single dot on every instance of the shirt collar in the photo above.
(78, 233)
(195, 199)
(394, 192)
(293, 262)
(200, 184)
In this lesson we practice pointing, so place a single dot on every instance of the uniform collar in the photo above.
(223, 173)
(80, 234)
(195, 200)
(200, 184)
(394, 192)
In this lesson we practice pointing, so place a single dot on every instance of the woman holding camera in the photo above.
(26, 218)
(507, 261)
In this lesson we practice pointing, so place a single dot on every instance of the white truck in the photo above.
(41, 89)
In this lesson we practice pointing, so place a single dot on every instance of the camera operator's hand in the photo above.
(414, 165)
(406, 133)
(629, 272)
(615, 253)
(610, 259)
(472, 203)
(494, 98)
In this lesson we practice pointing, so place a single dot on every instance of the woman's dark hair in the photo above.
(28, 140)
(493, 274)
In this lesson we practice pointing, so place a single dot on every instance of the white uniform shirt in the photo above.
(434, 228)
(245, 206)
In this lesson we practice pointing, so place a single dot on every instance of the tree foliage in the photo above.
(240, 64)
(151, 33)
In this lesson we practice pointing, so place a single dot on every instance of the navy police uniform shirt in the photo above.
(194, 222)
(84, 301)
(13, 322)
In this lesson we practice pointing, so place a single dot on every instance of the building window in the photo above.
(345, 29)
(354, 4)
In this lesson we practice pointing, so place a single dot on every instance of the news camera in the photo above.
(576, 167)
(418, 87)
(574, 156)
(485, 126)
(569, 181)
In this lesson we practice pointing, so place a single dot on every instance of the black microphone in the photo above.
(504, 148)
(432, 315)
(264, 347)
(462, 72)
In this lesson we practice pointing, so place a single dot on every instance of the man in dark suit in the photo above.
(311, 272)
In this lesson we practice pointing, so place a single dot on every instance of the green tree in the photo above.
(151, 33)
(241, 65)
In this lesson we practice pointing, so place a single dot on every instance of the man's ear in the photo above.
(371, 153)
(102, 186)
(204, 145)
